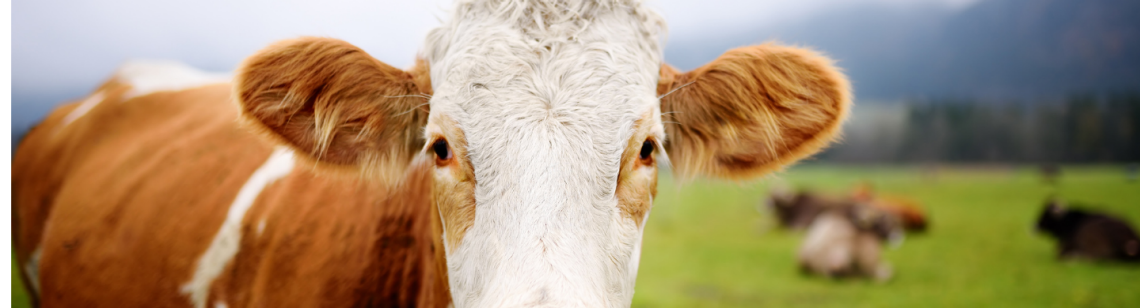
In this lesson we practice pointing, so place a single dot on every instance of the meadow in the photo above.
(710, 244)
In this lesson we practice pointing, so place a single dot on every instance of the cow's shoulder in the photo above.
(338, 240)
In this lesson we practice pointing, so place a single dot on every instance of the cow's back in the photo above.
(120, 203)
(1105, 238)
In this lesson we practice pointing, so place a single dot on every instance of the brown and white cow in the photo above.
(847, 241)
(514, 166)
(908, 211)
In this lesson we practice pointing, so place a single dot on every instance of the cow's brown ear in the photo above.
(751, 111)
(331, 100)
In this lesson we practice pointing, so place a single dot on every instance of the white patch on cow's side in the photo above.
(827, 246)
(260, 227)
(82, 109)
(228, 239)
(149, 76)
(220, 304)
(32, 269)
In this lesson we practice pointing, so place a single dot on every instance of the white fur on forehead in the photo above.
(544, 20)
(512, 34)
(589, 66)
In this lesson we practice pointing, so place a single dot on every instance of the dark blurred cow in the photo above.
(796, 210)
(847, 242)
(1088, 235)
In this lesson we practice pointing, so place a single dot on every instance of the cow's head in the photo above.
(1056, 218)
(547, 123)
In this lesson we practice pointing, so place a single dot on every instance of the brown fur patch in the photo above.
(454, 194)
(137, 206)
(137, 190)
(636, 190)
(331, 100)
(909, 211)
(338, 241)
(751, 111)
(41, 164)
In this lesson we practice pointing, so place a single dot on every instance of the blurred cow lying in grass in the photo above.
(797, 210)
(844, 236)
(909, 212)
(846, 241)
(1088, 235)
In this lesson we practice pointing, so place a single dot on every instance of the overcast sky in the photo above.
(79, 43)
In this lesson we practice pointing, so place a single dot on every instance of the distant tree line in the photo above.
(1081, 128)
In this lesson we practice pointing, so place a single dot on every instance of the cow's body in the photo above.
(847, 242)
(908, 211)
(137, 189)
(1084, 234)
(797, 210)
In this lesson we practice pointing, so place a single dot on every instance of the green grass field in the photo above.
(706, 245)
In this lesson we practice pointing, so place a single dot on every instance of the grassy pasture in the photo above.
(707, 245)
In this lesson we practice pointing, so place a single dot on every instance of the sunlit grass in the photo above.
(19, 295)
(706, 245)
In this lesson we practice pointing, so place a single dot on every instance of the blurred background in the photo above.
(976, 111)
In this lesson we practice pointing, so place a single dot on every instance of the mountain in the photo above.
(995, 49)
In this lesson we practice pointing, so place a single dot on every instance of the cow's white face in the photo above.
(538, 127)
(546, 121)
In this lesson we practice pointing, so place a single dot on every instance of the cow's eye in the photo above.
(442, 151)
(647, 149)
